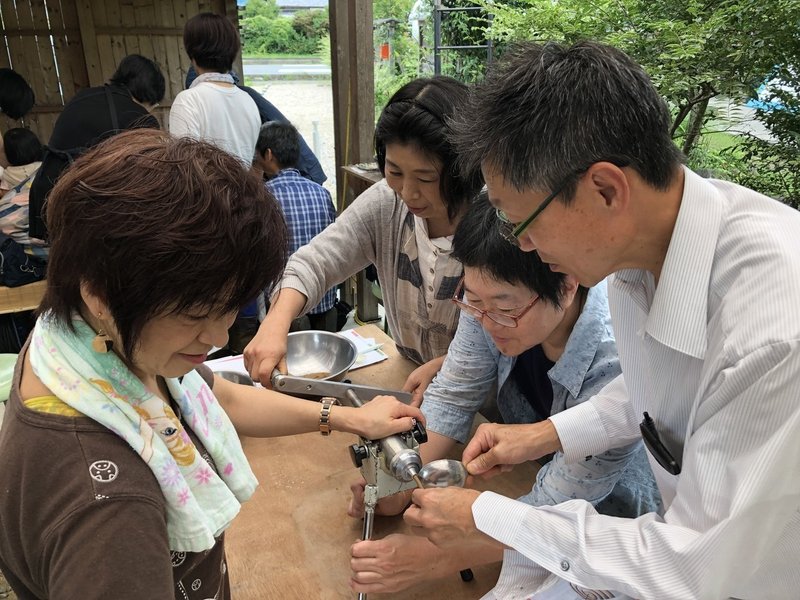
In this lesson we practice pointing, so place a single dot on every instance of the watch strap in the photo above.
(325, 415)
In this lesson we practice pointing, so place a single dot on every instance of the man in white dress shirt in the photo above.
(576, 150)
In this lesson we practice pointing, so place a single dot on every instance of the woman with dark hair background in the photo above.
(157, 242)
(213, 108)
(16, 96)
(403, 225)
(125, 102)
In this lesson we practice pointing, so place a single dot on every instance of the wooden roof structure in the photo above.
(62, 46)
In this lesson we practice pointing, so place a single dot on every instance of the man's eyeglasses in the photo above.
(499, 318)
(511, 231)
(656, 447)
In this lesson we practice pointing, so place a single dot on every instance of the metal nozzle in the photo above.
(403, 464)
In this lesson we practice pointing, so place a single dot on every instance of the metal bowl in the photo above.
(319, 354)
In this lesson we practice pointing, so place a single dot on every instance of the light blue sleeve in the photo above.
(620, 478)
(465, 380)
(591, 480)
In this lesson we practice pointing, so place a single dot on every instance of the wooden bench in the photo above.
(24, 297)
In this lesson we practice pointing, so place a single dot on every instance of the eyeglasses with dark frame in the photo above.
(510, 232)
(504, 320)
(656, 447)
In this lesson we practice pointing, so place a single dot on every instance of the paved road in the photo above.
(283, 69)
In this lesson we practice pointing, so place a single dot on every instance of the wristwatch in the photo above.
(325, 415)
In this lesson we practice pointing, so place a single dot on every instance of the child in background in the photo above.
(23, 157)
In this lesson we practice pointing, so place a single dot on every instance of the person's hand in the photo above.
(420, 378)
(380, 417)
(395, 563)
(387, 506)
(443, 515)
(496, 448)
(265, 353)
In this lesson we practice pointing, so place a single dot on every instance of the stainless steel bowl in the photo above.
(319, 354)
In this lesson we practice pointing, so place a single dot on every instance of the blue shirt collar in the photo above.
(287, 173)
(592, 325)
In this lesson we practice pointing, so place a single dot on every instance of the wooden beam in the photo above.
(89, 42)
(231, 11)
(140, 30)
(43, 31)
(353, 82)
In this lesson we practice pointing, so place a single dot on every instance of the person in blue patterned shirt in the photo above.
(537, 344)
(307, 206)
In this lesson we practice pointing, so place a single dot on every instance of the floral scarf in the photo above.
(200, 503)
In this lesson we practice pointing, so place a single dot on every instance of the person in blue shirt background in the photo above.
(545, 344)
(307, 206)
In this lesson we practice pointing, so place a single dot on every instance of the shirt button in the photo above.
(564, 565)
(430, 288)
(430, 305)
(432, 271)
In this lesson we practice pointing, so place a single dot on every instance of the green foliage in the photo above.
(775, 163)
(403, 65)
(324, 50)
(260, 8)
(311, 24)
(391, 9)
(264, 32)
(464, 28)
(694, 50)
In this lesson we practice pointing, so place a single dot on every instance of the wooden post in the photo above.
(353, 79)
(232, 12)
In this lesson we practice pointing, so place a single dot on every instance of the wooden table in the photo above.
(359, 179)
(24, 297)
(292, 539)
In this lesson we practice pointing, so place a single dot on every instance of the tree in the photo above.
(264, 31)
(463, 28)
(693, 50)
(393, 28)
(260, 8)
(311, 23)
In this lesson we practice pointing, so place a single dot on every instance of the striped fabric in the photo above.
(713, 355)
(14, 218)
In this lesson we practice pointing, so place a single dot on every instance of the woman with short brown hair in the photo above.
(156, 244)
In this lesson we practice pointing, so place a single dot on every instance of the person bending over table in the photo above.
(704, 302)
(122, 465)
(545, 344)
(403, 225)
(91, 116)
